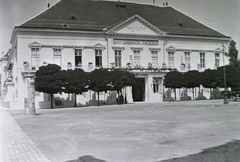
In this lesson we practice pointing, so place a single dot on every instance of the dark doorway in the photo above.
(138, 89)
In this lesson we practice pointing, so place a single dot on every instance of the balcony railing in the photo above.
(89, 68)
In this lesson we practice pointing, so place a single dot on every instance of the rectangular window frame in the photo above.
(57, 56)
(155, 85)
(118, 58)
(35, 58)
(202, 60)
(78, 57)
(217, 59)
(154, 58)
(98, 57)
(171, 59)
(137, 57)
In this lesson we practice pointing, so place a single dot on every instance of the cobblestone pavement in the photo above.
(15, 145)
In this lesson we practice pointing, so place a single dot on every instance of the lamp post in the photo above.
(225, 92)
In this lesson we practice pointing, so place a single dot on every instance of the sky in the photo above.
(221, 15)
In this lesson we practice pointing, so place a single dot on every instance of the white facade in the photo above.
(134, 43)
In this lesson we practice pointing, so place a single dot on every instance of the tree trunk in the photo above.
(75, 102)
(193, 93)
(210, 93)
(125, 94)
(51, 100)
(98, 97)
(175, 94)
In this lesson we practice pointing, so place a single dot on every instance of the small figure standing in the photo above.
(121, 98)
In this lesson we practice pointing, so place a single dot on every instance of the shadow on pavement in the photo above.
(86, 158)
(223, 153)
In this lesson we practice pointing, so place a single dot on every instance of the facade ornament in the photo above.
(45, 63)
(26, 66)
(69, 65)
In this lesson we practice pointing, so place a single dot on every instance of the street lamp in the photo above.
(225, 92)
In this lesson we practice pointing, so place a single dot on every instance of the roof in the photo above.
(89, 15)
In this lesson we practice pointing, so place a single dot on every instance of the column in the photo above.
(29, 96)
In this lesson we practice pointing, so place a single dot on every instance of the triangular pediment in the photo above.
(171, 49)
(98, 46)
(218, 50)
(136, 26)
(35, 44)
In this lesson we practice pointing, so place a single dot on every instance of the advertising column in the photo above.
(29, 104)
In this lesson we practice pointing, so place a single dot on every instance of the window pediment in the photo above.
(35, 44)
(99, 46)
(136, 48)
(218, 50)
(118, 48)
(171, 49)
(155, 49)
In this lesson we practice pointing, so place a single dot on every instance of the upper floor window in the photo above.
(217, 59)
(154, 56)
(118, 58)
(35, 57)
(202, 60)
(136, 57)
(98, 58)
(57, 56)
(171, 59)
(187, 58)
(78, 57)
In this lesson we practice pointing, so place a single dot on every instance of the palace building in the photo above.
(149, 39)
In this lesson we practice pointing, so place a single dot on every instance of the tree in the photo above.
(117, 79)
(233, 52)
(192, 79)
(49, 79)
(100, 81)
(77, 82)
(232, 76)
(121, 78)
(210, 79)
(173, 79)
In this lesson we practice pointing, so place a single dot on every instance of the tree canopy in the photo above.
(192, 79)
(233, 52)
(50, 79)
(210, 78)
(77, 82)
(173, 79)
(121, 78)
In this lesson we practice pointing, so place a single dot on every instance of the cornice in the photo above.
(199, 37)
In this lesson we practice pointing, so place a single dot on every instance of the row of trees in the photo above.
(51, 79)
(209, 78)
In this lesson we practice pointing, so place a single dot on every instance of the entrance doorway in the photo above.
(138, 89)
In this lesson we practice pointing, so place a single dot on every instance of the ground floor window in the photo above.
(155, 85)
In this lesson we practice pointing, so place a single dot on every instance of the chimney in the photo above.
(48, 5)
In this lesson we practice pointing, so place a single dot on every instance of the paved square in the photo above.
(142, 132)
